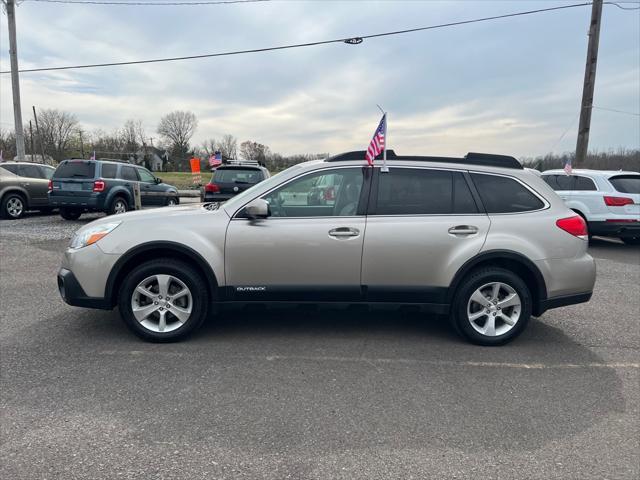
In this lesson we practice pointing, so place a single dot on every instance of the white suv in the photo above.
(608, 200)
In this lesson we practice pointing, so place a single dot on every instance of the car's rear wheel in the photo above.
(118, 205)
(491, 307)
(631, 240)
(13, 206)
(70, 213)
(163, 300)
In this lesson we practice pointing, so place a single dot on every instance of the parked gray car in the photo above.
(477, 238)
(23, 186)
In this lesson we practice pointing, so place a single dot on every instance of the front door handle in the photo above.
(463, 230)
(344, 232)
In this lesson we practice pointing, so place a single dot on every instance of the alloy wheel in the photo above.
(162, 303)
(120, 207)
(494, 309)
(15, 207)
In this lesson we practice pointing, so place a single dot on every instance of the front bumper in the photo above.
(72, 292)
(615, 229)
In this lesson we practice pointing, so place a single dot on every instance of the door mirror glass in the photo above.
(259, 208)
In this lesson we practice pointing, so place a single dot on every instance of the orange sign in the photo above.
(195, 165)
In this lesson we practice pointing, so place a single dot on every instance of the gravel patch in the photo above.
(39, 227)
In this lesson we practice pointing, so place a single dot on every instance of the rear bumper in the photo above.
(562, 301)
(615, 229)
(72, 292)
(92, 201)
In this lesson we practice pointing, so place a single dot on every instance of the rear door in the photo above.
(233, 180)
(73, 181)
(423, 224)
(34, 180)
(130, 175)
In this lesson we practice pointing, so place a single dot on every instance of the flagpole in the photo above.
(384, 168)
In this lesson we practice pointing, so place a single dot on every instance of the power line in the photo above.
(145, 4)
(616, 111)
(621, 7)
(349, 40)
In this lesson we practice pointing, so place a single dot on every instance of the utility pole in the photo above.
(81, 144)
(31, 141)
(15, 80)
(589, 83)
(35, 117)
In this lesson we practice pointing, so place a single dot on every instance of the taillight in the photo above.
(98, 186)
(618, 201)
(212, 187)
(576, 226)
(50, 187)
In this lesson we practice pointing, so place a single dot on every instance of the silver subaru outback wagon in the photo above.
(478, 239)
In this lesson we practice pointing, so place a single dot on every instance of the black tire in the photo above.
(172, 201)
(70, 213)
(13, 206)
(117, 204)
(476, 280)
(186, 274)
(631, 240)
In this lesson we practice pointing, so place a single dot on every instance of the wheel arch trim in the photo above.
(121, 267)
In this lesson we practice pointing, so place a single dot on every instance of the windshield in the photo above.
(268, 183)
(626, 183)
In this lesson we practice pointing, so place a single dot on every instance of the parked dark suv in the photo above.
(97, 185)
(230, 179)
(23, 186)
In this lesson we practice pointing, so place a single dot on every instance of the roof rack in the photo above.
(471, 158)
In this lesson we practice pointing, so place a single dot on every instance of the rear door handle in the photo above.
(344, 232)
(463, 230)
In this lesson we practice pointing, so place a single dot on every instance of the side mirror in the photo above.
(259, 208)
(158, 180)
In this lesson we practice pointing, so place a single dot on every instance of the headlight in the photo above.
(85, 237)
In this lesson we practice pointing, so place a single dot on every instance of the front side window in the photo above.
(552, 181)
(414, 191)
(584, 184)
(504, 194)
(565, 182)
(128, 173)
(145, 176)
(330, 193)
(13, 168)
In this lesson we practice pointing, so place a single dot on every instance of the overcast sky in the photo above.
(507, 86)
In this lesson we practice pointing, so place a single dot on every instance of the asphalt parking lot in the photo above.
(302, 393)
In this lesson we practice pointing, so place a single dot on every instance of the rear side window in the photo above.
(504, 195)
(128, 173)
(47, 172)
(584, 184)
(237, 175)
(408, 191)
(109, 170)
(626, 183)
(30, 171)
(75, 170)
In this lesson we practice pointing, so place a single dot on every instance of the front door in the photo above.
(302, 251)
(423, 225)
(150, 192)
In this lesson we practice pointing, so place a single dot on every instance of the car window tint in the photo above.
(47, 172)
(552, 181)
(317, 195)
(145, 176)
(30, 171)
(462, 199)
(109, 170)
(128, 173)
(584, 184)
(10, 168)
(565, 182)
(413, 191)
(237, 175)
(75, 169)
(626, 183)
(504, 195)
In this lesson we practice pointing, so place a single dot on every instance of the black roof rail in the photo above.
(472, 158)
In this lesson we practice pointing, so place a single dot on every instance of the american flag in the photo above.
(215, 159)
(377, 142)
(567, 166)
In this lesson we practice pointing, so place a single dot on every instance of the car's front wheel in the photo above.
(172, 201)
(491, 307)
(163, 300)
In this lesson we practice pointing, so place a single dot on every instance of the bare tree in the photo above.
(133, 134)
(253, 151)
(58, 130)
(210, 146)
(228, 146)
(177, 128)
